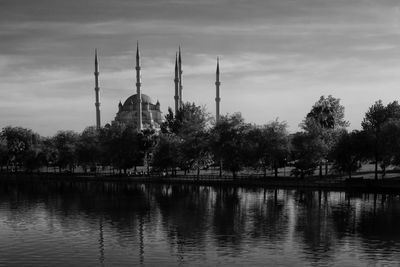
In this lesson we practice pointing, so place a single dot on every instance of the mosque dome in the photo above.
(133, 99)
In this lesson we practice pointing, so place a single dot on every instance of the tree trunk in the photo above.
(198, 173)
(326, 167)
(276, 171)
(220, 168)
(320, 169)
(376, 157)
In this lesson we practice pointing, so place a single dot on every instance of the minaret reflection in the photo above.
(101, 242)
(141, 240)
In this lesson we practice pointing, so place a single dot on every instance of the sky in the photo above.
(277, 57)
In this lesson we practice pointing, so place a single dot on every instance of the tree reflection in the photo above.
(314, 225)
(95, 207)
(184, 213)
(269, 218)
(378, 225)
(188, 223)
(344, 215)
(228, 218)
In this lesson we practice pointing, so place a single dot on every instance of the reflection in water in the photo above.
(91, 224)
(315, 225)
(141, 254)
(101, 242)
(228, 218)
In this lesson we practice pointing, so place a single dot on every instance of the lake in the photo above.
(118, 224)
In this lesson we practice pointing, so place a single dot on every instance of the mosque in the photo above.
(138, 109)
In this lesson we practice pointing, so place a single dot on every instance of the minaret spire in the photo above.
(217, 97)
(176, 80)
(180, 78)
(96, 89)
(138, 92)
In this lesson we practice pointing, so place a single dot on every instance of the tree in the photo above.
(326, 121)
(35, 157)
(327, 113)
(350, 151)
(165, 155)
(23, 146)
(88, 148)
(268, 146)
(3, 153)
(374, 121)
(390, 145)
(65, 146)
(188, 120)
(228, 142)
(171, 124)
(49, 152)
(120, 143)
(305, 153)
(190, 126)
(194, 152)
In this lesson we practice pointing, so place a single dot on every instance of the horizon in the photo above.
(276, 57)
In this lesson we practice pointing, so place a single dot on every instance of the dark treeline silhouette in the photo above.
(191, 141)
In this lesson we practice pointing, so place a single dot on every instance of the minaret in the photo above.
(96, 89)
(176, 80)
(138, 92)
(217, 98)
(180, 78)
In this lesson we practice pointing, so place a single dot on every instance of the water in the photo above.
(97, 224)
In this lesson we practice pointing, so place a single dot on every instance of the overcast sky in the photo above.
(277, 57)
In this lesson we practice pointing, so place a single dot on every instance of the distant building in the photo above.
(138, 109)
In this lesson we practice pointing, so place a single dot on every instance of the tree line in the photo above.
(191, 141)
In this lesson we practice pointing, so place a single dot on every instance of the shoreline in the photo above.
(389, 185)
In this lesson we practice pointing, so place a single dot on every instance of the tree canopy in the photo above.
(228, 142)
(376, 119)
(327, 113)
(268, 146)
(326, 122)
(189, 141)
